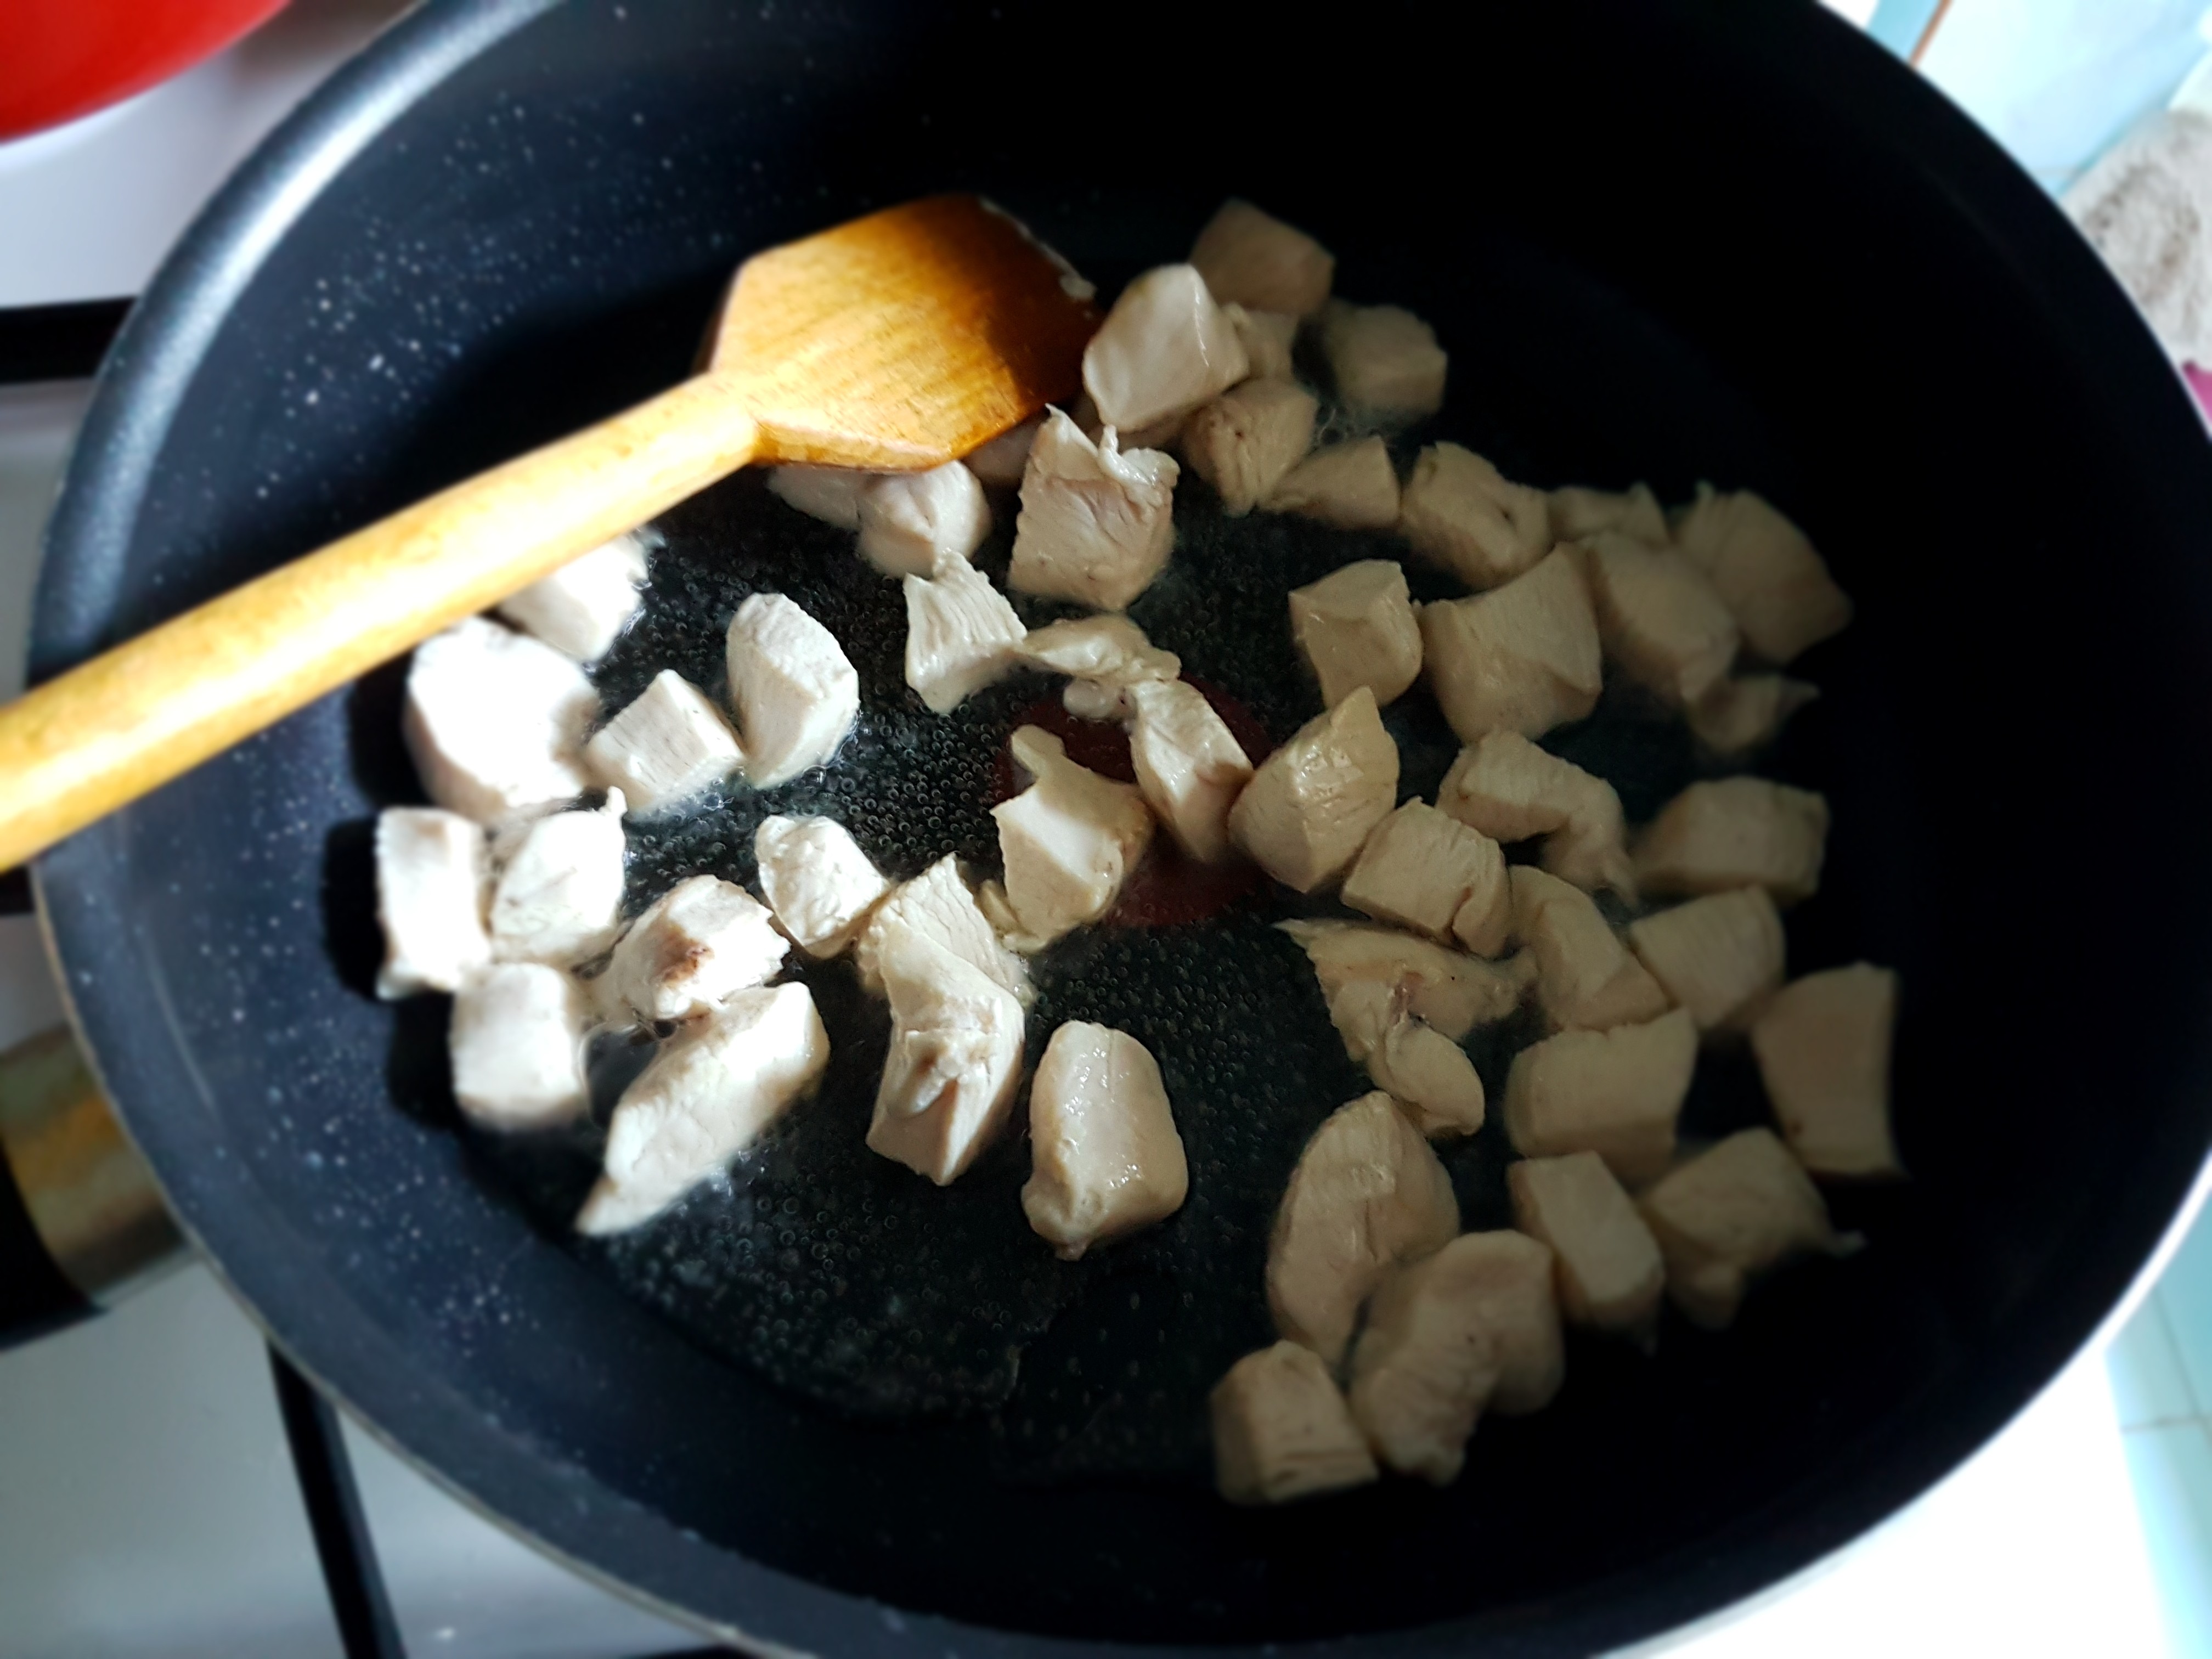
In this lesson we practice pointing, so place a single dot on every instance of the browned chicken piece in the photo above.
(1351, 485)
(1453, 992)
(701, 942)
(1385, 360)
(1741, 1208)
(1511, 789)
(1823, 1046)
(1367, 1193)
(1736, 832)
(955, 1058)
(1746, 712)
(1244, 441)
(1069, 841)
(1408, 1058)
(1267, 338)
(1459, 512)
(1586, 979)
(1105, 1159)
(1616, 1093)
(1719, 957)
(1658, 618)
(1356, 626)
(1610, 1277)
(1252, 258)
(1310, 806)
(1422, 870)
(1281, 1430)
(1188, 764)
(1096, 522)
(1779, 588)
(1522, 658)
(1164, 348)
(1578, 512)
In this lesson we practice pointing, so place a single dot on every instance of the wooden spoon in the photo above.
(898, 342)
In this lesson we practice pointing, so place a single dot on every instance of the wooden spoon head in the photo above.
(902, 340)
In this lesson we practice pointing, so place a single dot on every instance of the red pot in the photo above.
(63, 58)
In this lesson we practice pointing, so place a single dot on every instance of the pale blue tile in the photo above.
(2185, 1294)
(2144, 1367)
(2170, 1469)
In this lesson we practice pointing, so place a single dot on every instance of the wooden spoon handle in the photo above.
(128, 721)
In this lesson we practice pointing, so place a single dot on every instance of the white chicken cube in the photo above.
(1511, 789)
(1616, 1093)
(1421, 870)
(1586, 979)
(581, 609)
(1739, 1209)
(1522, 657)
(559, 899)
(796, 693)
(1610, 1276)
(432, 885)
(1461, 513)
(1736, 832)
(1420, 1065)
(1096, 522)
(1245, 440)
(817, 879)
(1105, 1159)
(1164, 348)
(1451, 991)
(938, 905)
(961, 635)
(1356, 626)
(955, 1058)
(495, 721)
(1718, 956)
(909, 520)
(1746, 712)
(1253, 258)
(1658, 618)
(1281, 1430)
(1823, 1047)
(1188, 764)
(1267, 336)
(1779, 588)
(669, 744)
(1351, 485)
(831, 494)
(1310, 805)
(700, 944)
(708, 1096)
(1385, 360)
(1069, 841)
(1367, 1193)
(1001, 462)
(1103, 657)
(516, 1040)
(1578, 512)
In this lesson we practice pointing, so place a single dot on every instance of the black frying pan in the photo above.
(1661, 241)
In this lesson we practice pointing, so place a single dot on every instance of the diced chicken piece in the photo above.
(1244, 441)
(1453, 992)
(581, 609)
(955, 1058)
(709, 1094)
(1103, 656)
(432, 886)
(701, 943)
(1746, 712)
(909, 520)
(495, 721)
(1311, 804)
(1736, 832)
(817, 879)
(961, 635)
(938, 905)
(1356, 626)
(1253, 258)
(1777, 586)
(1188, 764)
(1281, 1430)
(1718, 956)
(1001, 462)
(1616, 1093)
(1459, 512)
(1164, 348)
(1823, 1047)
(1511, 789)
(671, 743)
(1578, 512)
(1431, 873)
(516, 1039)
(1105, 1159)
(1658, 618)
(1351, 485)
(1522, 658)
(831, 494)
(1475, 1326)
(1069, 841)
(1418, 1064)
(1267, 338)
(1367, 1193)
(1610, 1277)
(1586, 979)
(1741, 1208)
(559, 899)
(796, 693)
(1386, 361)
(1097, 521)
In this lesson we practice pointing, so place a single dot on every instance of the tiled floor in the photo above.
(2161, 1366)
